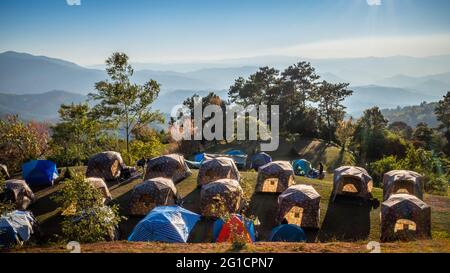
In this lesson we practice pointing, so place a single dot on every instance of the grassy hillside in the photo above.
(341, 223)
(314, 150)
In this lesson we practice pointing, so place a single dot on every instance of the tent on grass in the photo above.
(19, 193)
(170, 224)
(172, 166)
(352, 181)
(275, 176)
(217, 168)
(234, 228)
(301, 167)
(100, 184)
(287, 233)
(299, 205)
(106, 165)
(405, 217)
(16, 228)
(260, 159)
(39, 173)
(221, 197)
(401, 181)
(151, 193)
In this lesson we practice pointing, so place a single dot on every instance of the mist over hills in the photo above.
(25, 80)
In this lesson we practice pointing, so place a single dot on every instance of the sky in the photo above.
(165, 31)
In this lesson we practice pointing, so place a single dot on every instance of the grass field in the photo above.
(344, 227)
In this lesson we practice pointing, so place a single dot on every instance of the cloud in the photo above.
(374, 2)
(416, 46)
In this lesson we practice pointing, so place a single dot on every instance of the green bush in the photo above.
(378, 168)
(86, 218)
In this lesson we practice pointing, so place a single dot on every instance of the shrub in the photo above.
(20, 142)
(378, 168)
(86, 218)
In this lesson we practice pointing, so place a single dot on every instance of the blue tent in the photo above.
(199, 157)
(287, 233)
(235, 152)
(249, 225)
(39, 172)
(301, 167)
(16, 227)
(260, 159)
(170, 224)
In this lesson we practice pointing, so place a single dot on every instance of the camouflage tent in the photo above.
(4, 171)
(352, 181)
(105, 165)
(217, 168)
(400, 181)
(275, 176)
(172, 166)
(220, 197)
(99, 184)
(405, 216)
(299, 205)
(151, 193)
(20, 193)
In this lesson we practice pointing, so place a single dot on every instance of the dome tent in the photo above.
(299, 205)
(401, 181)
(217, 168)
(100, 184)
(20, 193)
(106, 165)
(16, 227)
(235, 225)
(171, 224)
(260, 159)
(405, 216)
(39, 173)
(352, 181)
(172, 166)
(152, 193)
(287, 233)
(301, 167)
(275, 176)
(221, 197)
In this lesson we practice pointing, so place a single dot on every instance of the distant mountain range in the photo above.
(413, 115)
(25, 80)
(42, 107)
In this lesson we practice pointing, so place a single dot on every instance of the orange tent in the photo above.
(233, 228)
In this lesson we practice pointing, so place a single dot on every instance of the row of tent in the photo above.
(301, 167)
(300, 204)
(221, 192)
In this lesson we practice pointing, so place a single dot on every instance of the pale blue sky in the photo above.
(194, 30)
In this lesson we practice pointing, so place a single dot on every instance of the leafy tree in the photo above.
(76, 136)
(330, 97)
(257, 89)
(423, 135)
(370, 134)
(210, 99)
(123, 103)
(20, 141)
(401, 128)
(442, 112)
(296, 87)
(86, 218)
(345, 132)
